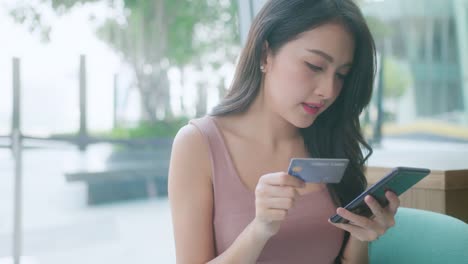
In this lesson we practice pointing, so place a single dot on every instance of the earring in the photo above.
(262, 68)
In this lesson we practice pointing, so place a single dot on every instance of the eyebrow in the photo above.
(326, 56)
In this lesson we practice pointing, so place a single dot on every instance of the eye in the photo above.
(314, 67)
(341, 76)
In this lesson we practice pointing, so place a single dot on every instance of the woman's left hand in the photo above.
(370, 229)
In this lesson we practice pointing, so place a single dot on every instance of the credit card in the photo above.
(318, 170)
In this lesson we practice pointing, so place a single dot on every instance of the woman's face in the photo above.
(306, 75)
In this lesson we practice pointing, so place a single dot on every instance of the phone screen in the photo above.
(397, 181)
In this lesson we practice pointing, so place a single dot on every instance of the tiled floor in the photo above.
(60, 228)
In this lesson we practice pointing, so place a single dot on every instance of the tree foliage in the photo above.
(397, 78)
(153, 36)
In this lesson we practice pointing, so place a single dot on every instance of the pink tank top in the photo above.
(305, 236)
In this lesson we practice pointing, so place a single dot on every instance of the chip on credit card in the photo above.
(315, 170)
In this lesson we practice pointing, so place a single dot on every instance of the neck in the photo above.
(268, 127)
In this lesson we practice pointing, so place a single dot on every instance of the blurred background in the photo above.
(93, 91)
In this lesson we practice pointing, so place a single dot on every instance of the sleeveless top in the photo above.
(305, 236)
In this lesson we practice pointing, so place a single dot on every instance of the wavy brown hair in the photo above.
(336, 133)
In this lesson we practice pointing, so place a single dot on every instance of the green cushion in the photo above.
(422, 237)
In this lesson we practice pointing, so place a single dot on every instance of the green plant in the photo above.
(397, 78)
(160, 128)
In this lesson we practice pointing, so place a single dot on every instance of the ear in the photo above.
(266, 56)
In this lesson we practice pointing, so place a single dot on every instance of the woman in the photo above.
(302, 80)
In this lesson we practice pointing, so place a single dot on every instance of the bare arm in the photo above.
(356, 251)
(246, 248)
(191, 199)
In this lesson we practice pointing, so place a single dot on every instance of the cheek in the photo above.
(290, 81)
(337, 90)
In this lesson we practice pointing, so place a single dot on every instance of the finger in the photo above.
(283, 179)
(357, 220)
(278, 203)
(265, 190)
(277, 214)
(356, 231)
(347, 227)
(375, 207)
(394, 202)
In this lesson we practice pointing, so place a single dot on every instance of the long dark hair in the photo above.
(336, 133)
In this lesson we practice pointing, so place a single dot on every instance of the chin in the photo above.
(304, 123)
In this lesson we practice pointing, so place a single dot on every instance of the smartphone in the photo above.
(398, 181)
(318, 170)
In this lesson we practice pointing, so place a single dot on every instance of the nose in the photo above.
(325, 87)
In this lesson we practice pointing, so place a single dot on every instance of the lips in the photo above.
(312, 108)
(314, 104)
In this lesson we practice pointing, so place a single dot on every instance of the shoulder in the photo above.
(190, 153)
(189, 135)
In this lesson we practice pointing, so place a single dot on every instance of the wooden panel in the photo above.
(456, 179)
(431, 200)
(457, 204)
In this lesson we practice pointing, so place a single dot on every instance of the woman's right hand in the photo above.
(275, 194)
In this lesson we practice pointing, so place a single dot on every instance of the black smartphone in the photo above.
(398, 181)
